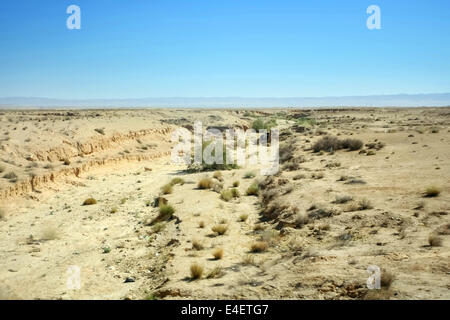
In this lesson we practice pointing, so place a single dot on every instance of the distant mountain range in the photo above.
(398, 100)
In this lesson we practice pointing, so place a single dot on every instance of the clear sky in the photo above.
(223, 48)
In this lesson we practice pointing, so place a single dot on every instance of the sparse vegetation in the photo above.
(196, 271)
(216, 272)
(343, 199)
(259, 246)
(217, 253)
(176, 181)
(220, 229)
(197, 245)
(218, 175)
(205, 183)
(432, 191)
(167, 189)
(330, 144)
(89, 202)
(249, 175)
(166, 211)
(434, 240)
(253, 189)
(10, 176)
(243, 217)
(236, 184)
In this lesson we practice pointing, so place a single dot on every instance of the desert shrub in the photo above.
(66, 162)
(236, 184)
(205, 183)
(432, 191)
(291, 165)
(253, 190)
(176, 181)
(330, 144)
(343, 199)
(196, 271)
(327, 143)
(364, 204)
(10, 176)
(352, 144)
(286, 152)
(274, 209)
(201, 224)
(259, 227)
(226, 195)
(243, 217)
(166, 211)
(248, 260)
(167, 188)
(197, 244)
(434, 240)
(218, 253)
(249, 175)
(2, 169)
(300, 220)
(371, 153)
(89, 202)
(216, 272)
(235, 192)
(317, 175)
(259, 246)
(299, 176)
(269, 195)
(113, 210)
(260, 124)
(220, 229)
(218, 175)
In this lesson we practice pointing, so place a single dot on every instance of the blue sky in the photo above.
(226, 48)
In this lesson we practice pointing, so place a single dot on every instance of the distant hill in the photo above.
(399, 100)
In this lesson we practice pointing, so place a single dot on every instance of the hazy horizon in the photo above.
(398, 100)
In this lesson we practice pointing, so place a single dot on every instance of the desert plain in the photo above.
(97, 189)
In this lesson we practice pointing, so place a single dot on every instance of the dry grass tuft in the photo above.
(236, 184)
(253, 189)
(218, 253)
(215, 273)
(167, 189)
(176, 181)
(434, 240)
(197, 245)
(218, 175)
(205, 183)
(165, 212)
(220, 229)
(243, 217)
(259, 246)
(432, 191)
(89, 202)
(343, 199)
(196, 271)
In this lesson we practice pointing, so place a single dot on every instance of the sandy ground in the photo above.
(60, 159)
